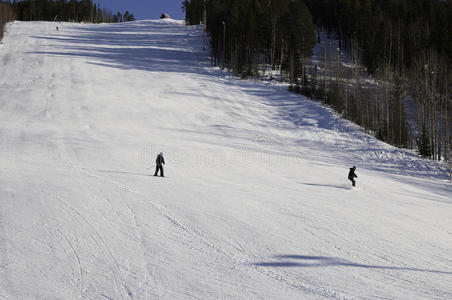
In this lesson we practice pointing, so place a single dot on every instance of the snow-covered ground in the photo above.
(256, 204)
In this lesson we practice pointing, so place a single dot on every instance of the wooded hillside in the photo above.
(405, 45)
(59, 10)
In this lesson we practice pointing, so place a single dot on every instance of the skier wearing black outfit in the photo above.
(159, 162)
(352, 175)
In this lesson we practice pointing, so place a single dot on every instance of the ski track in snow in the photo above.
(256, 204)
(196, 234)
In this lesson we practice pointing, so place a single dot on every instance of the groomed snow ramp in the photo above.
(256, 204)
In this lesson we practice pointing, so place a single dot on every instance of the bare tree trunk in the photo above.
(326, 80)
(281, 59)
(346, 101)
(386, 97)
(446, 120)
(273, 46)
(357, 82)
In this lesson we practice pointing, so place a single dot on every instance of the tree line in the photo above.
(59, 10)
(66, 11)
(249, 33)
(6, 15)
(405, 45)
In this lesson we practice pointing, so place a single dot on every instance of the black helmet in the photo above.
(354, 167)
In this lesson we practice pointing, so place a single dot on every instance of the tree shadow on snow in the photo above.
(337, 186)
(148, 46)
(123, 172)
(324, 261)
(164, 47)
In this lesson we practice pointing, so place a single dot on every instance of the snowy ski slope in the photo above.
(256, 204)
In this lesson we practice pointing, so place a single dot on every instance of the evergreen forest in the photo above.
(58, 10)
(389, 72)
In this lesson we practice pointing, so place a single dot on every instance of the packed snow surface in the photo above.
(255, 205)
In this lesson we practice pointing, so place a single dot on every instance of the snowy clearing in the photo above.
(256, 204)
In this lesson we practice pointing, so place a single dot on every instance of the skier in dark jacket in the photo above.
(159, 162)
(352, 175)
